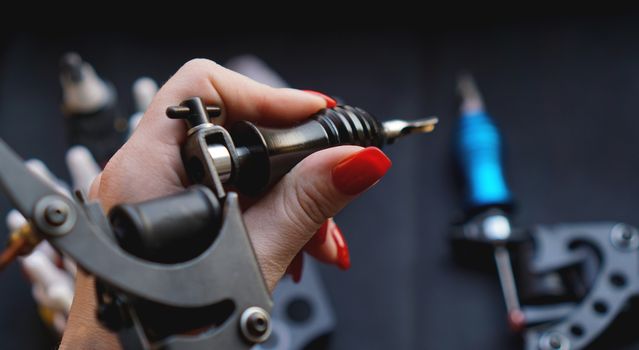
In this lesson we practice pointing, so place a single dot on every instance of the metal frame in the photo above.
(199, 283)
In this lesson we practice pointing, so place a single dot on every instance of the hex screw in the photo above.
(56, 213)
(554, 341)
(54, 216)
(624, 237)
(255, 324)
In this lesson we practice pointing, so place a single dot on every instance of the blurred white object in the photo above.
(70, 266)
(83, 90)
(144, 89)
(82, 166)
(15, 220)
(134, 121)
(40, 170)
(45, 248)
(59, 322)
(52, 286)
(256, 69)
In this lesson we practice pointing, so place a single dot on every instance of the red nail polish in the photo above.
(296, 267)
(343, 256)
(320, 236)
(330, 103)
(360, 171)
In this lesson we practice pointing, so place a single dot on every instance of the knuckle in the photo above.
(261, 102)
(199, 65)
(306, 207)
(196, 76)
(314, 204)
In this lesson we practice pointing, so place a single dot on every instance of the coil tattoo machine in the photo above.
(563, 284)
(179, 272)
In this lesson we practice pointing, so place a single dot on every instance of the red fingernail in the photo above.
(320, 236)
(330, 103)
(360, 171)
(296, 267)
(343, 256)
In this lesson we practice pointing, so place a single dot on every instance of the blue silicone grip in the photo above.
(479, 154)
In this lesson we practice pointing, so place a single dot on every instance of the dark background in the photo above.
(565, 92)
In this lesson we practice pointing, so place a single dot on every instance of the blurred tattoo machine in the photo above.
(179, 272)
(563, 284)
(93, 123)
(90, 106)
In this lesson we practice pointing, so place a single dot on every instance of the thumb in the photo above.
(282, 222)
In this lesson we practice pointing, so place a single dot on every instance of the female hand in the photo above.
(282, 222)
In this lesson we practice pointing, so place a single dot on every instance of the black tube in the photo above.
(169, 229)
(269, 153)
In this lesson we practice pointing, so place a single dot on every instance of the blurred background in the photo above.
(563, 90)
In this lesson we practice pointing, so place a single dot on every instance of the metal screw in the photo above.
(255, 324)
(496, 228)
(554, 341)
(624, 237)
(56, 213)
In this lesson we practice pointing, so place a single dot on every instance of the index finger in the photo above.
(240, 98)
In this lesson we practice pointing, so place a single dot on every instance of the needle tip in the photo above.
(394, 129)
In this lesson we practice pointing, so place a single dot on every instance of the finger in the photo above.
(82, 167)
(296, 267)
(322, 246)
(157, 139)
(316, 189)
(328, 245)
(239, 97)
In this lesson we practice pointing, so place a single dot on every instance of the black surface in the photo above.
(564, 92)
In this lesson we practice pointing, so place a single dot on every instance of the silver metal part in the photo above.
(255, 324)
(54, 216)
(496, 228)
(507, 279)
(222, 161)
(394, 129)
(302, 312)
(82, 167)
(196, 128)
(554, 341)
(624, 237)
(470, 95)
(144, 89)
